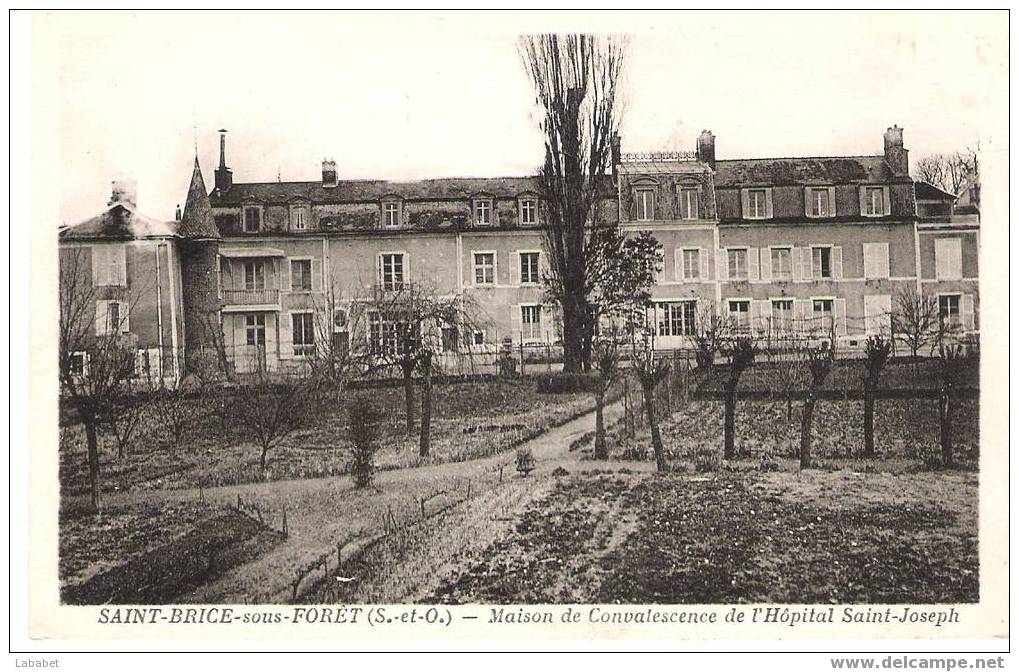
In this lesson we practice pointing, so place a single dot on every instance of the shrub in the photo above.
(364, 435)
(707, 460)
(568, 383)
(507, 362)
(769, 463)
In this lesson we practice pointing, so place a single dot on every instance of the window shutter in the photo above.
(968, 315)
(286, 281)
(678, 257)
(808, 201)
(885, 197)
(316, 275)
(797, 259)
(120, 263)
(722, 264)
(285, 337)
(124, 311)
(836, 262)
(832, 212)
(97, 266)
(885, 304)
(378, 269)
(633, 204)
(769, 211)
(101, 317)
(800, 314)
(765, 316)
(518, 325)
(753, 263)
(883, 266)
(406, 268)
(861, 192)
(840, 317)
(745, 199)
(705, 270)
(766, 264)
(755, 317)
(516, 273)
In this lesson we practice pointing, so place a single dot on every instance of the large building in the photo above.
(778, 246)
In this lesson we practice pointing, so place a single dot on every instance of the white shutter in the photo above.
(831, 202)
(869, 262)
(285, 336)
(836, 262)
(769, 211)
(862, 194)
(766, 264)
(765, 316)
(808, 201)
(948, 258)
(124, 310)
(753, 263)
(745, 202)
(101, 318)
(722, 264)
(702, 254)
(518, 325)
(968, 314)
(886, 198)
(118, 263)
(883, 266)
(515, 271)
(840, 317)
(286, 279)
(801, 313)
(316, 275)
(799, 272)
(678, 257)
(406, 268)
(378, 270)
(756, 325)
(97, 265)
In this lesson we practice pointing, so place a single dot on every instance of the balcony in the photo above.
(242, 300)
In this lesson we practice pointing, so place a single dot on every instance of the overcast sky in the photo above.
(403, 96)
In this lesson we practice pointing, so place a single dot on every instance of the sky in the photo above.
(412, 95)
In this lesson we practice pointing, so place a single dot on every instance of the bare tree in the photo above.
(951, 359)
(124, 414)
(651, 370)
(575, 78)
(95, 356)
(712, 332)
(819, 361)
(606, 358)
(741, 353)
(175, 412)
(877, 351)
(948, 172)
(335, 359)
(915, 318)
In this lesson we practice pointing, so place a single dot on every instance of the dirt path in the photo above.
(322, 512)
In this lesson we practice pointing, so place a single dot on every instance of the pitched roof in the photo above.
(197, 222)
(802, 170)
(119, 222)
(928, 192)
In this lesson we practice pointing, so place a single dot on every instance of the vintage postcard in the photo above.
(517, 327)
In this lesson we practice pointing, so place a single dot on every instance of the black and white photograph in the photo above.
(522, 322)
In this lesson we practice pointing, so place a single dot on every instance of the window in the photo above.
(781, 316)
(391, 215)
(781, 263)
(254, 276)
(252, 219)
(691, 264)
(738, 264)
(111, 318)
(820, 202)
(645, 203)
(821, 262)
(873, 201)
(384, 331)
(304, 333)
(948, 310)
(530, 323)
(757, 204)
(391, 275)
(478, 337)
(739, 313)
(528, 211)
(877, 313)
(484, 268)
(824, 311)
(300, 275)
(109, 265)
(299, 215)
(77, 364)
(483, 212)
(529, 274)
(689, 208)
(948, 258)
(254, 330)
(677, 318)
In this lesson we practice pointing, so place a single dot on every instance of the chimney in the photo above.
(328, 173)
(224, 178)
(177, 214)
(896, 156)
(706, 148)
(617, 154)
(124, 192)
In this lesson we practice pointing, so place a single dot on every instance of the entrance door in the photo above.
(254, 328)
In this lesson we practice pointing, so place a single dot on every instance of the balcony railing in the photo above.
(251, 297)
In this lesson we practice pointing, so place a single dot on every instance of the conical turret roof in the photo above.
(196, 223)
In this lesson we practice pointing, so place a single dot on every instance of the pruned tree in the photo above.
(606, 359)
(651, 369)
(575, 79)
(712, 331)
(951, 358)
(786, 351)
(915, 318)
(819, 360)
(270, 406)
(175, 412)
(877, 351)
(95, 355)
(334, 359)
(124, 414)
(364, 418)
(741, 353)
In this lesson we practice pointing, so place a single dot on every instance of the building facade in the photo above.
(814, 245)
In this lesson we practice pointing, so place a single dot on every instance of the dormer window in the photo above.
(644, 201)
(820, 201)
(874, 201)
(299, 217)
(252, 219)
(756, 204)
(391, 214)
(483, 212)
(528, 211)
(689, 203)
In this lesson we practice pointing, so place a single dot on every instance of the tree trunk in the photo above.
(92, 444)
(425, 445)
(408, 395)
(805, 422)
(789, 406)
(601, 451)
(729, 451)
(656, 437)
(868, 421)
(573, 341)
(945, 415)
(265, 451)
